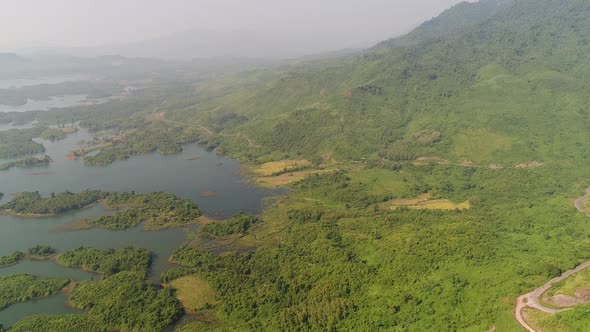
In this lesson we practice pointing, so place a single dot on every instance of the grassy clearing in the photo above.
(567, 321)
(194, 293)
(579, 281)
(425, 202)
(274, 167)
(287, 178)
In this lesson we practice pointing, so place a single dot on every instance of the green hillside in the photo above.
(489, 89)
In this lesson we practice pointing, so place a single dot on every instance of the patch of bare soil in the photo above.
(530, 164)
(561, 300)
(495, 166)
(427, 160)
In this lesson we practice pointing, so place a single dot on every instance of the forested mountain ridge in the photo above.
(477, 87)
(456, 18)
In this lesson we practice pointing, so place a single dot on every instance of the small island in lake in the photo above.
(157, 210)
(27, 162)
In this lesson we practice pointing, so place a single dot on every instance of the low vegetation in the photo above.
(568, 321)
(238, 224)
(56, 134)
(425, 202)
(11, 259)
(15, 143)
(194, 293)
(279, 167)
(27, 162)
(39, 251)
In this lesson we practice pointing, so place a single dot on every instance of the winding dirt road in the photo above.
(531, 299)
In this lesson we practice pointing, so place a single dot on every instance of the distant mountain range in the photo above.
(198, 44)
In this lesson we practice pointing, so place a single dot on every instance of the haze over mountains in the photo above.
(194, 44)
(203, 29)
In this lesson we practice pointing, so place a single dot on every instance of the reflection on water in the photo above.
(52, 305)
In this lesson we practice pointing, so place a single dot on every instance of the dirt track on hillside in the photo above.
(531, 300)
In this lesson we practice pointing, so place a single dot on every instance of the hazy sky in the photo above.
(83, 23)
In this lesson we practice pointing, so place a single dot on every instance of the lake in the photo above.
(188, 175)
(53, 103)
(22, 82)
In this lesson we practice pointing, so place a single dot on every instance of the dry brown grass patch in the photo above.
(193, 292)
(287, 178)
(274, 167)
(425, 202)
(529, 164)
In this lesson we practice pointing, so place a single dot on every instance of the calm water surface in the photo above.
(187, 175)
(52, 103)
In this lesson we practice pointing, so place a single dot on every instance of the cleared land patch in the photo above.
(274, 167)
(287, 178)
(530, 164)
(572, 291)
(425, 202)
(194, 293)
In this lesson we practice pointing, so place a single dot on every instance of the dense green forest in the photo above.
(37, 252)
(123, 301)
(157, 210)
(107, 262)
(63, 323)
(24, 287)
(237, 224)
(32, 203)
